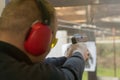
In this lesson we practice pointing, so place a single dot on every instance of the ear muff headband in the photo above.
(45, 13)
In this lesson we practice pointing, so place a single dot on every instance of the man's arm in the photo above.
(74, 66)
(57, 61)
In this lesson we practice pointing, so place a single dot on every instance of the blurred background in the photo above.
(100, 21)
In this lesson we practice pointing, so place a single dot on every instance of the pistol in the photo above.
(79, 38)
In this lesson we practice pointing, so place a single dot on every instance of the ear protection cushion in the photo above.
(38, 39)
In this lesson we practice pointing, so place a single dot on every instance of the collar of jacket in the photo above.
(14, 52)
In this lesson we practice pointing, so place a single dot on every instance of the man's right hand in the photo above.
(79, 47)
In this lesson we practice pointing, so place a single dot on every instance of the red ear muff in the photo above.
(38, 39)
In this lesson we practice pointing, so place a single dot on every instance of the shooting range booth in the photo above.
(88, 17)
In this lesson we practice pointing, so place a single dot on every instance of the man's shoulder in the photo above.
(5, 57)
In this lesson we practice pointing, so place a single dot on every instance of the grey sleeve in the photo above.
(73, 68)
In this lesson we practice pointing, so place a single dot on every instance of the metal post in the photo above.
(89, 17)
(114, 50)
(91, 75)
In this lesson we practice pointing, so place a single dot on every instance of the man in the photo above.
(17, 59)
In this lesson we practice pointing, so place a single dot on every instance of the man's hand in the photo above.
(78, 48)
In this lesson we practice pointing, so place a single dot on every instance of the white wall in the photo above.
(2, 5)
(62, 39)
